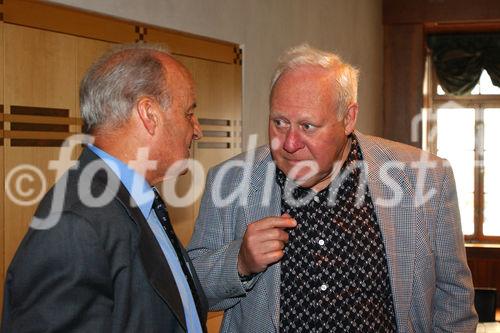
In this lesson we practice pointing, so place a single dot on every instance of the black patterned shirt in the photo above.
(334, 274)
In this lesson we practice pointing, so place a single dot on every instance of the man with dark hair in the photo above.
(101, 254)
(327, 229)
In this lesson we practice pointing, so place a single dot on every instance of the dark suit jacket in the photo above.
(98, 269)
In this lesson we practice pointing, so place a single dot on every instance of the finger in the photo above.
(275, 222)
(271, 246)
(265, 241)
(274, 256)
(264, 235)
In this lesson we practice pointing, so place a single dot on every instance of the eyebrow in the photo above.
(304, 118)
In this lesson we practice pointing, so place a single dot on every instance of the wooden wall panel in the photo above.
(484, 263)
(417, 11)
(182, 44)
(40, 68)
(1, 61)
(218, 88)
(59, 18)
(404, 66)
(2, 223)
(62, 19)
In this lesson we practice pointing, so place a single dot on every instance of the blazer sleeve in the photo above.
(454, 297)
(214, 252)
(59, 281)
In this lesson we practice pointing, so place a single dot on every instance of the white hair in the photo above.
(346, 76)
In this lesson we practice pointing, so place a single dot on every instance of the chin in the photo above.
(299, 179)
(306, 183)
(300, 173)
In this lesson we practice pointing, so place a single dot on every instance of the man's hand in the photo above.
(263, 243)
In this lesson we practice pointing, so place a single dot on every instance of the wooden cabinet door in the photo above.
(40, 68)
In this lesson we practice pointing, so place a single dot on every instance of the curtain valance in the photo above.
(459, 60)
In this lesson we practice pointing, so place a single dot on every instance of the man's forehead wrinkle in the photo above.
(303, 79)
(300, 95)
(313, 72)
(284, 104)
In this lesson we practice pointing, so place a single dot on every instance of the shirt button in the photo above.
(323, 287)
(321, 242)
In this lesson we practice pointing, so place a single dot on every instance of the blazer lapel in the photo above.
(201, 294)
(274, 282)
(155, 265)
(158, 271)
(264, 201)
(396, 223)
(153, 260)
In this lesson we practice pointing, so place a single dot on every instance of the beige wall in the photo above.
(265, 28)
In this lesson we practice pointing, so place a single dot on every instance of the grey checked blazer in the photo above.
(431, 283)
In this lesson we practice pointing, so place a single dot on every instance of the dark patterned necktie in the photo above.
(162, 214)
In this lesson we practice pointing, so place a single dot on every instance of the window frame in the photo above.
(478, 103)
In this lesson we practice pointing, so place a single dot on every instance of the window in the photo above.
(466, 131)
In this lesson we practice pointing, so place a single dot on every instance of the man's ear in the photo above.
(146, 109)
(350, 118)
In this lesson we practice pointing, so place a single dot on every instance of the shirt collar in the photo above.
(142, 195)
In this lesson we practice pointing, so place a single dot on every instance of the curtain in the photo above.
(459, 60)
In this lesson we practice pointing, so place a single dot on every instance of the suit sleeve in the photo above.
(454, 297)
(59, 281)
(214, 252)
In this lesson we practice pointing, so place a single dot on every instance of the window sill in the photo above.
(482, 245)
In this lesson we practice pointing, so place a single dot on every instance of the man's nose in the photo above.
(197, 132)
(293, 141)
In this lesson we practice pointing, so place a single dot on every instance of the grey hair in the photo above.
(115, 82)
(346, 76)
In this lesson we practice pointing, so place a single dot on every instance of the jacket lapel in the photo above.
(155, 265)
(157, 269)
(265, 201)
(202, 312)
(153, 260)
(396, 222)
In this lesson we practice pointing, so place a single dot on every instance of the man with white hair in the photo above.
(335, 231)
